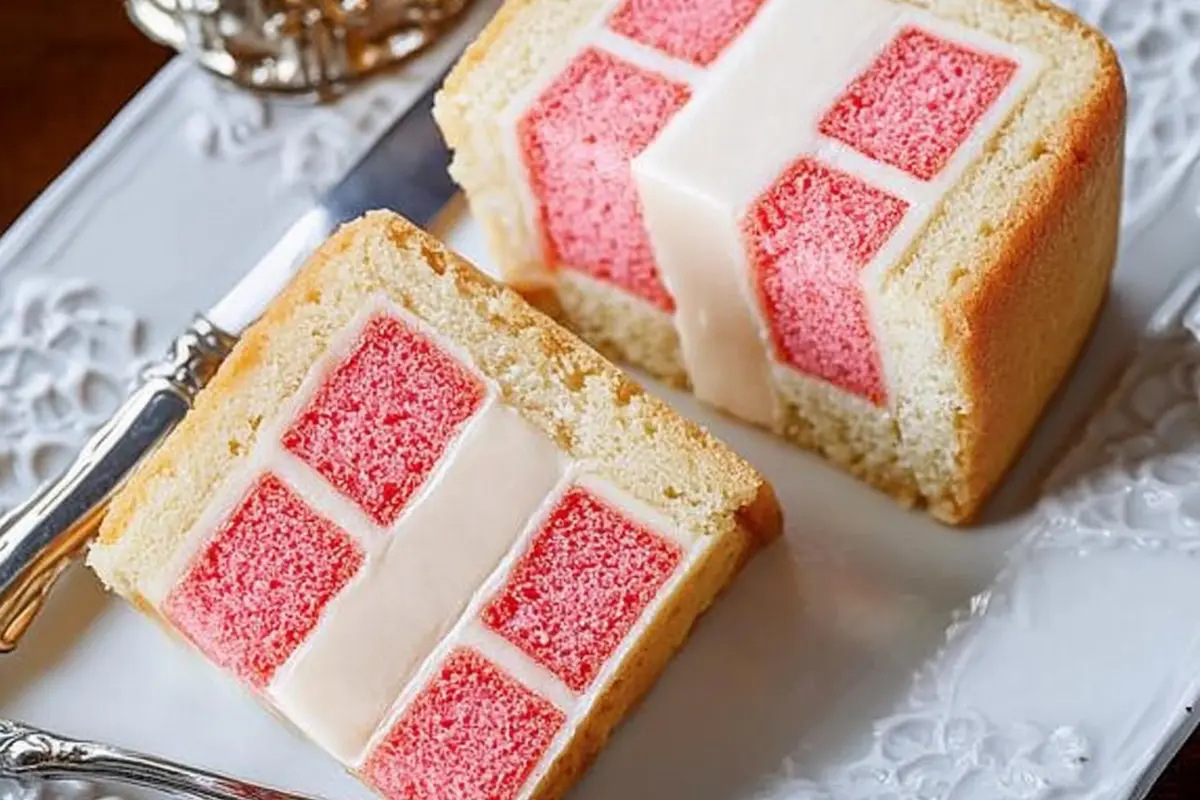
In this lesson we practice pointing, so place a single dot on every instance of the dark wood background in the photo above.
(67, 66)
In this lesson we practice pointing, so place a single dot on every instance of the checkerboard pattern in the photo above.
(383, 418)
(587, 577)
(258, 588)
(810, 234)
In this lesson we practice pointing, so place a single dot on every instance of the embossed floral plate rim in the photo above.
(220, 146)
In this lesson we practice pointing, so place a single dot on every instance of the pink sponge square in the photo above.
(918, 101)
(472, 732)
(809, 236)
(384, 418)
(257, 589)
(578, 139)
(572, 598)
(690, 30)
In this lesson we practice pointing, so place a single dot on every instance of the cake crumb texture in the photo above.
(917, 353)
(585, 615)
(810, 235)
(587, 577)
(595, 413)
(578, 140)
(472, 732)
(918, 102)
(691, 30)
(258, 588)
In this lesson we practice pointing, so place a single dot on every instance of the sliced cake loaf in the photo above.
(881, 229)
(430, 527)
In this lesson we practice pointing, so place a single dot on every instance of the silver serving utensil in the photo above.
(406, 171)
(30, 753)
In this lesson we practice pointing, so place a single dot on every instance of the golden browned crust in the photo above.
(670, 629)
(762, 520)
(1018, 329)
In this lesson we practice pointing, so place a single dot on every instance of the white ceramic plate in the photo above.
(1051, 653)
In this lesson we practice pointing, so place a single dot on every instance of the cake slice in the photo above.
(881, 229)
(430, 527)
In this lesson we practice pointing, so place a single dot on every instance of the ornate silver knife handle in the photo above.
(39, 538)
(27, 752)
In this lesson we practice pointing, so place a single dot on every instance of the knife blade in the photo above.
(405, 170)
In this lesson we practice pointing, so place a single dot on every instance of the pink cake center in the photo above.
(473, 733)
(385, 417)
(578, 139)
(257, 589)
(690, 30)
(918, 102)
(576, 593)
(809, 236)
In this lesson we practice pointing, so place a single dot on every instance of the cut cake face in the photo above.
(410, 566)
(759, 179)
(912, 96)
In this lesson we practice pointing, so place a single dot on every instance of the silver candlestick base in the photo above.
(315, 47)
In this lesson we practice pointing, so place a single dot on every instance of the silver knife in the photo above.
(405, 171)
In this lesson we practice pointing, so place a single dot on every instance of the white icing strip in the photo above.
(332, 504)
(268, 455)
(708, 164)
(517, 665)
(342, 682)
(647, 58)
(482, 595)
(890, 179)
(616, 662)
(699, 255)
(470, 633)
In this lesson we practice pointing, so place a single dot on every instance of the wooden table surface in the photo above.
(65, 72)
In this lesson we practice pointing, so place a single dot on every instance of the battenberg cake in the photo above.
(430, 527)
(881, 229)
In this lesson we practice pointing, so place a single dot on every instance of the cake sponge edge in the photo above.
(382, 251)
